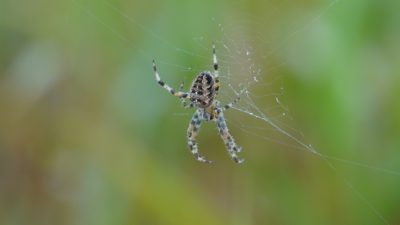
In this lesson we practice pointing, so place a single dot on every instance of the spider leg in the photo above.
(227, 137)
(235, 100)
(183, 100)
(181, 86)
(179, 94)
(216, 72)
(186, 105)
(192, 132)
(231, 104)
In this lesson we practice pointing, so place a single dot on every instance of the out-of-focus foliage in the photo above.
(87, 136)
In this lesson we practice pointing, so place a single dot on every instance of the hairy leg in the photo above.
(192, 132)
(227, 138)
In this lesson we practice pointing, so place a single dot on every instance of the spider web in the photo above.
(251, 73)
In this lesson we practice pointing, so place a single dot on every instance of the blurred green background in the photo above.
(87, 136)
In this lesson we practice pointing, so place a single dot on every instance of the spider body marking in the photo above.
(202, 95)
(202, 90)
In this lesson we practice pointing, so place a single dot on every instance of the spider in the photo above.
(202, 95)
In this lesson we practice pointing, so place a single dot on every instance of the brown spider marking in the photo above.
(202, 91)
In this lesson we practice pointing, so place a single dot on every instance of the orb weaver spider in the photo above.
(202, 95)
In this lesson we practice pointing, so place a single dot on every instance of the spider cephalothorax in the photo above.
(201, 95)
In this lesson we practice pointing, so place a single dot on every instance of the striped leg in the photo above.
(186, 105)
(216, 72)
(179, 94)
(238, 94)
(228, 139)
(228, 106)
(183, 100)
(192, 132)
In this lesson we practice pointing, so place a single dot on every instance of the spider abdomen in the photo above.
(202, 91)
